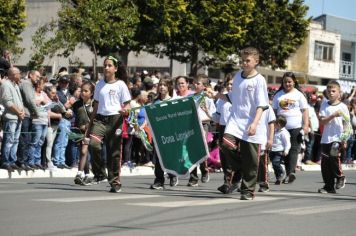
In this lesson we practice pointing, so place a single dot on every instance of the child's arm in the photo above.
(270, 136)
(252, 128)
(305, 120)
(326, 119)
(286, 143)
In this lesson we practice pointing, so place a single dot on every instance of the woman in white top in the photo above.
(289, 101)
(111, 96)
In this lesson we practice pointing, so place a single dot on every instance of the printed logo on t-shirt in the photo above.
(287, 104)
(112, 92)
(249, 87)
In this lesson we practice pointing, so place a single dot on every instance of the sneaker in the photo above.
(87, 181)
(192, 183)
(115, 188)
(157, 186)
(325, 191)
(278, 182)
(291, 178)
(247, 196)
(173, 181)
(225, 189)
(205, 178)
(79, 180)
(340, 182)
(263, 189)
(309, 162)
(98, 180)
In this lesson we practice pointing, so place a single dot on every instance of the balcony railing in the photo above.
(347, 70)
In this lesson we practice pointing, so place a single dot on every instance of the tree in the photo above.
(12, 23)
(100, 24)
(181, 29)
(277, 30)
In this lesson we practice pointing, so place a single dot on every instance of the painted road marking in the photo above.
(301, 211)
(97, 198)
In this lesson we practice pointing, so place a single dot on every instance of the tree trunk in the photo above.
(194, 62)
(95, 63)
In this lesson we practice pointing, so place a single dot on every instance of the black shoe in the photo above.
(291, 178)
(173, 181)
(205, 177)
(225, 189)
(325, 191)
(25, 167)
(79, 180)
(157, 186)
(278, 182)
(263, 189)
(63, 166)
(34, 167)
(340, 182)
(7, 167)
(192, 183)
(40, 167)
(115, 188)
(247, 196)
(15, 167)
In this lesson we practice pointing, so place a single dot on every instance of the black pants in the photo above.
(292, 158)
(330, 166)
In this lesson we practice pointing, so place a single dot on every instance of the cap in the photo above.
(155, 80)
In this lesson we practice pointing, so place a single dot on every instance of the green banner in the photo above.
(178, 135)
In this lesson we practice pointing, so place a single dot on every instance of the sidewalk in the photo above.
(140, 170)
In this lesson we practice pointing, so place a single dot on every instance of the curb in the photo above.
(68, 173)
(125, 171)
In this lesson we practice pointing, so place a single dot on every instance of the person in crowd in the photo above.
(290, 102)
(268, 118)
(12, 118)
(111, 98)
(182, 87)
(350, 152)
(280, 148)
(82, 110)
(27, 88)
(243, 136)
(39, 127)
(61, 141)
(5, 60)
(334, 115)
(313, 128)
(165, 92)
(130, 154)
(206, 109)
(56, 111)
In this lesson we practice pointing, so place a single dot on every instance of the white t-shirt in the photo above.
(246, 96)
(281, 141)
(267, 117)
(289, 105)
(335, 127)
(111, 97)
(224, 109)
(209, 103)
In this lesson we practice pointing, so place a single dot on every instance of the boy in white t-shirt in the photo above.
(243, 136)
(280, 148)
(335, 117)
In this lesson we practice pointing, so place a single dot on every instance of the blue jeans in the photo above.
(276, 159)
(10, 142)
(349, 148)
(60, 144)
(24, 141)
(38, 137)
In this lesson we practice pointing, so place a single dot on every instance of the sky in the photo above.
(340, 8)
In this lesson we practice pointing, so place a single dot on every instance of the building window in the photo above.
(324, 51)
(270, 79)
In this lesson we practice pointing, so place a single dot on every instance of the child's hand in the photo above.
(337, 113)
(252, 129)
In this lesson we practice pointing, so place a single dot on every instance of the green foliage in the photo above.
(182, 28)
(278, 29)
(12, 23)
(100, 24)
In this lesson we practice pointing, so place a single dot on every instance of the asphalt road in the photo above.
(55, 206)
